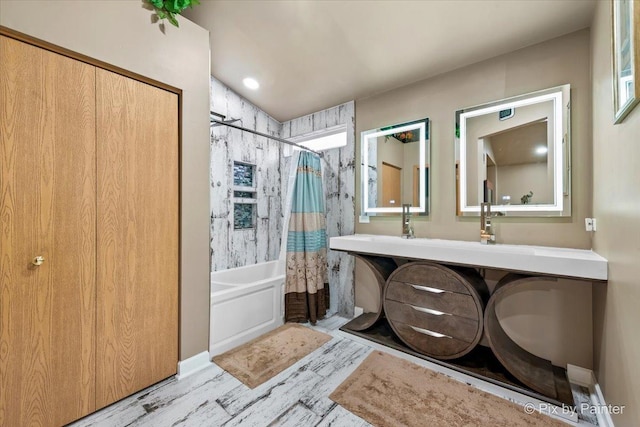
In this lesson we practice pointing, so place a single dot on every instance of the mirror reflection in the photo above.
(513, 154)
(626, 90)
(395, 168)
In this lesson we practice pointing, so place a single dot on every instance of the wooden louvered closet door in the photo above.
(137, 229)
(47, 208)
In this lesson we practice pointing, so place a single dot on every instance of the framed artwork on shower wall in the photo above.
(626, 58)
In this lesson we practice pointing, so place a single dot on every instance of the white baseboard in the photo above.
(358, 311)
(587, 378)
(193, 364)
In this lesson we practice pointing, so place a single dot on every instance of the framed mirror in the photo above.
(515, 154)
(395, 169)
(626, 37)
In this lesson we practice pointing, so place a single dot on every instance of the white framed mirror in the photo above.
(515, 154)
(395, 169)
(626, 37)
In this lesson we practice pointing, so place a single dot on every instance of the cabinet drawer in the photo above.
(462, 305)
(430, 342)
(461, 328)
(436, 310)
(431, 275)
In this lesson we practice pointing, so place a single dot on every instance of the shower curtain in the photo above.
(307, 288)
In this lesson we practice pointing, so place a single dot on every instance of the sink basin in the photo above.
(575, 263)
(439, 244)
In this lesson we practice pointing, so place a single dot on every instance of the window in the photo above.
(325, 139)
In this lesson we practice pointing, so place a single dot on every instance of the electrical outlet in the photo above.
(593, 223)
(588, 224)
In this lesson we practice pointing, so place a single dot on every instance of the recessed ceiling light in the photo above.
(251, 83)
(541, 150)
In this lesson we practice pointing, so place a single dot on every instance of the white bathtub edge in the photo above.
(240, 290)
(193, 364)
(244, 337)
(250, 304)
(213, 276)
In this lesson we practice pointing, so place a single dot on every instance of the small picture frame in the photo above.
(626, 58)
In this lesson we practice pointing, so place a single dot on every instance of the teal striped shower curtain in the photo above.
(307, 288)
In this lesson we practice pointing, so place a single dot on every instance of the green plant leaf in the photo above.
(168, 9)
(168, 6)
(172, 18)
(176, 6)
(181, 4)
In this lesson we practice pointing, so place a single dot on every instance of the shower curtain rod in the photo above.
(275, 138)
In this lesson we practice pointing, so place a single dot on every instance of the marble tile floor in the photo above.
(298, 396)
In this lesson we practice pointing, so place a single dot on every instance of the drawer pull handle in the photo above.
(427, 310)
(428, 289)
(428, 332)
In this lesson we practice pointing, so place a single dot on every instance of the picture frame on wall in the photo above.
(626, 59)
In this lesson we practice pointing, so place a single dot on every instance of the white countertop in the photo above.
(575, 263)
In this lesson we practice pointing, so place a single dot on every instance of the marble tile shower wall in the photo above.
(229, 247)
(339, 186)
(234, 248)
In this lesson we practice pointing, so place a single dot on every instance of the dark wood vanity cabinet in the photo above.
(436, 310)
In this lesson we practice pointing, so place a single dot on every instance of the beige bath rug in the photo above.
(265, 357)
(388, 391)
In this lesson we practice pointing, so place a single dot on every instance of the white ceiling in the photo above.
(311, 55)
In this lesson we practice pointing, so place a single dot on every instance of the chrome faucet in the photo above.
(407, 229)
(486, 230)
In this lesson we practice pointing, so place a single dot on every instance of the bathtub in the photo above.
(246, 302)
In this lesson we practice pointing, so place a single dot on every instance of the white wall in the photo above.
(616, 205)
(121, 33)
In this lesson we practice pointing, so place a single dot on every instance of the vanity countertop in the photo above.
(566, 262)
